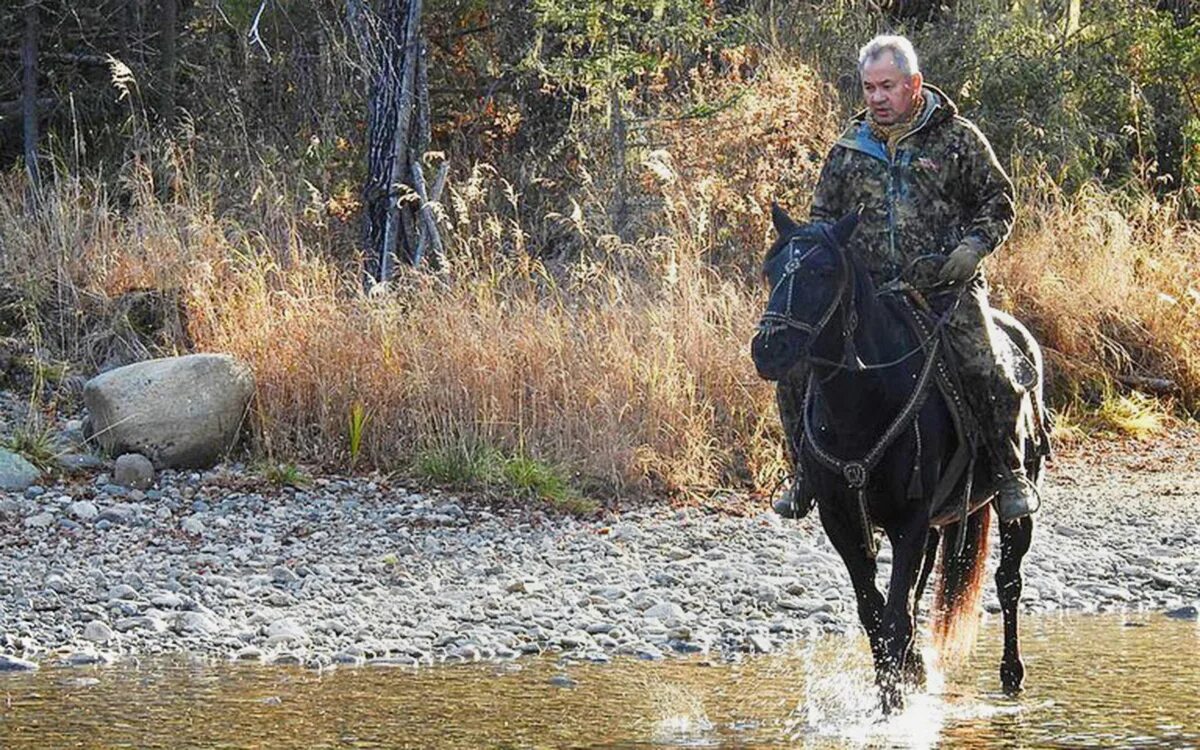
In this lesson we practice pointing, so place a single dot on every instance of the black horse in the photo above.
(896, 451)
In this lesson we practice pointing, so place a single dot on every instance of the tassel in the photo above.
(916, 488)
(960, 543)
(872, 549)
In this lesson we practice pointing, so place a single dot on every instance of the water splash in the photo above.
(682, 719)
(841, 701)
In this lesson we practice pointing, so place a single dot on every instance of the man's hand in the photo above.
(961, 265)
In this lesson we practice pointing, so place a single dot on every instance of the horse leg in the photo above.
(914, 663)
(897, 625)
(846, 538)
(1015, 538)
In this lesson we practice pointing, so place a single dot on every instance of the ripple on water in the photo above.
(1091, 683)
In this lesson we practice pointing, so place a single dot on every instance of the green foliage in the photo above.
(601, 44)
(1084, 107)
(470, 466)
(286, 475)
(458, 465)
(358, 422)
(34, 441)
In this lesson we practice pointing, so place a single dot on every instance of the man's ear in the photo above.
(784, 225)
(845, 226)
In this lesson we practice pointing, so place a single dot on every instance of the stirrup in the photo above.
(1017, 497)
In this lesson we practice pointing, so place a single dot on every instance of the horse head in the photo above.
(809, 276)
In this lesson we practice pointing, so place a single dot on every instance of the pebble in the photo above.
(133, 470)
(9, 663)
(1189, 612)
(84, 510)
(192, 525)
(40, 521)
(358, 572)
(98, 632)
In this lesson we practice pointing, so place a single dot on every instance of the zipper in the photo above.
(891, 185)
(891, 208)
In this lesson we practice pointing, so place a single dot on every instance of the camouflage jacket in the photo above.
(941, 188)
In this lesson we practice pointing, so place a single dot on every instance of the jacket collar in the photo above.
(938, 108)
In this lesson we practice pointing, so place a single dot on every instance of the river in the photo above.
(1093, 681)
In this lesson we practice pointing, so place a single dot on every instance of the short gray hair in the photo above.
(901, 49)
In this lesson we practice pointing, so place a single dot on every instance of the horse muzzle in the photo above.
(776, 349)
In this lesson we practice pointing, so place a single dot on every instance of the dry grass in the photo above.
(1110, 286)
(626, 369)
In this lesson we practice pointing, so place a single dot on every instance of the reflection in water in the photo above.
(1092, 682)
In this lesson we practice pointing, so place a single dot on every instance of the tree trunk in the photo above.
(399, 222)
(620, 142)
(29, 103)
(1072, 22)
(170, 11)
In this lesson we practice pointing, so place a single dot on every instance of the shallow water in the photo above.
(1091, 682)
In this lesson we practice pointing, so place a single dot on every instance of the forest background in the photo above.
(595, 182)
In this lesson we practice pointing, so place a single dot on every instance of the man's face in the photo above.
(888, 92)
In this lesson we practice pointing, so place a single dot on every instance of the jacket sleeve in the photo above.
(829, 196)
(988, 191)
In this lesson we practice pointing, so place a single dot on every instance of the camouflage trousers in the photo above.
(991, 389)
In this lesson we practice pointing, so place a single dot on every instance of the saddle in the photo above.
(954, 500)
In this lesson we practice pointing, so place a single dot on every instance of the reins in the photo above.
(856, 473)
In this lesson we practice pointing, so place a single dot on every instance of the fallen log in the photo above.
(1157, 386)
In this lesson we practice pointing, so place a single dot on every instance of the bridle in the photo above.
(856, 472)
(772, 321)
(845, 300)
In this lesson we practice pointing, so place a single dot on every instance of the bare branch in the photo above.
(253, 34)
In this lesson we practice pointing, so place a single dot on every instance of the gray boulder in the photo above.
(134, 470)
(181, 412)
(15, 472)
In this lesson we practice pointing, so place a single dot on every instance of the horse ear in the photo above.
(784, 225)
(845, 226)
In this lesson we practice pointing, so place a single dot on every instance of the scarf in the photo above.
(891, 134)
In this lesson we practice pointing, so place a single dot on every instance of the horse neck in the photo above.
(879, 337)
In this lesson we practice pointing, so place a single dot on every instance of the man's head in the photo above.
(891, 80)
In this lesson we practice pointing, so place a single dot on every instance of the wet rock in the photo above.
(1188, 612)
(10, 663)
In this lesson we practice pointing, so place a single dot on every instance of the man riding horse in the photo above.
(926, 181)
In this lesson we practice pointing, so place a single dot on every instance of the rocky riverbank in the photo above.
(361, 570)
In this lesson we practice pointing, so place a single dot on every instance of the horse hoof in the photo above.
(914, 673)
(891, 701)
(1012, 678)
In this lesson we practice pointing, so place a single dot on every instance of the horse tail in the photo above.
(960, 587)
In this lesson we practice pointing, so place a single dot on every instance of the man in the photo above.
(928, 182)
